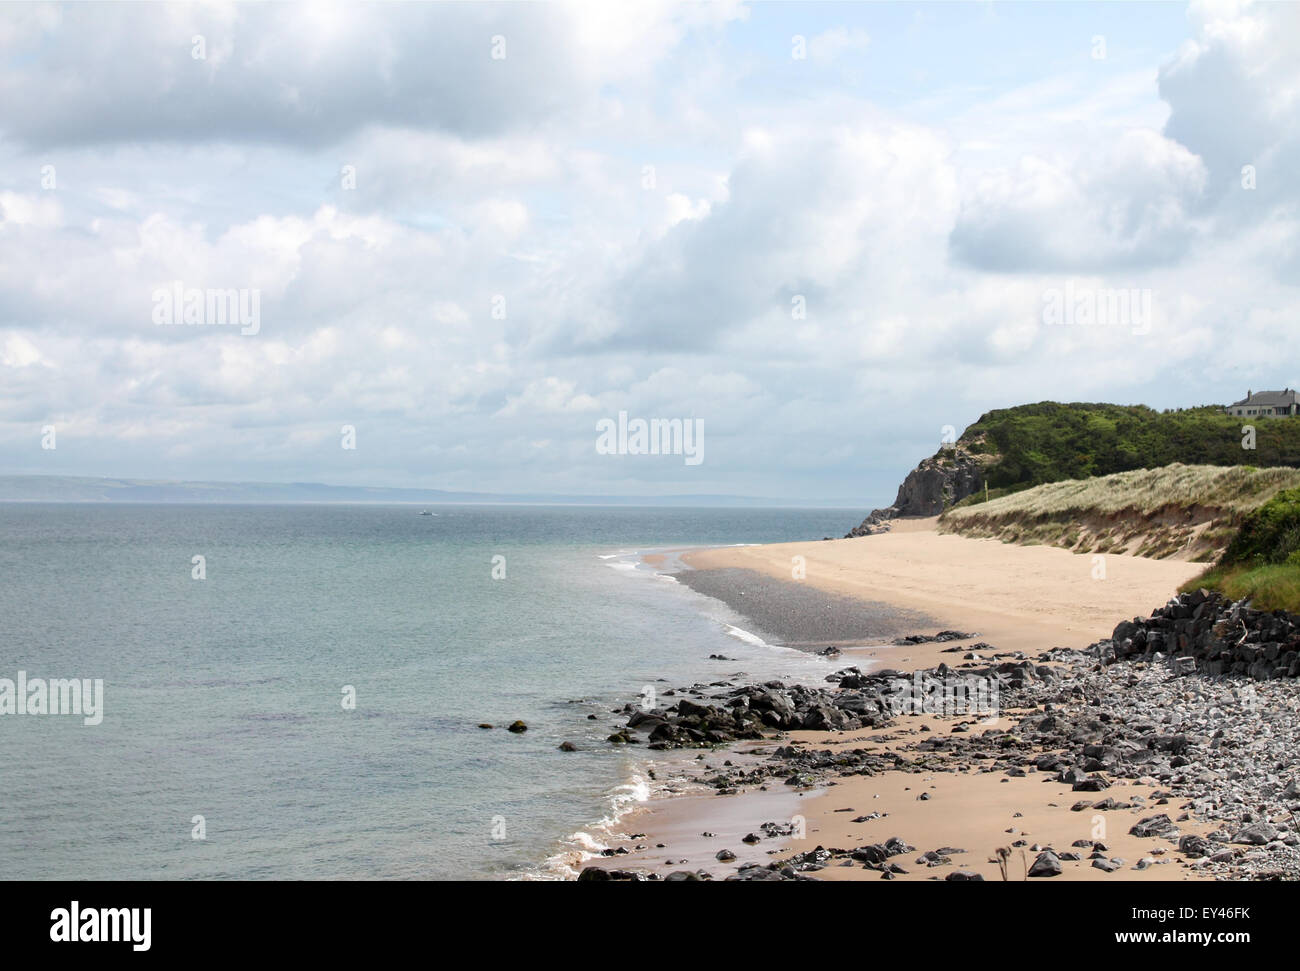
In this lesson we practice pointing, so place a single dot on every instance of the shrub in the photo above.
(1269, 534)
(1050, 441)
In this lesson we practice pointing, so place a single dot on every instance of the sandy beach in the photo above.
(970, 813)
(1027, 598)
(1013, 599)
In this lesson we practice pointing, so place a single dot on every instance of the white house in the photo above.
(1261, 404)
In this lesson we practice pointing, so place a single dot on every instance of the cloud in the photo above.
(825, 272)
(1234, 92)
(27, 209)
(312, 74)
(1133, 204)
(550, 395)
(808, 214)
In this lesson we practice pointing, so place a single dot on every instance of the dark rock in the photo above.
(895, 846)
(1256, 834)
(598, 873)
(1048, 864)
(1194, 846)
(875, 853)
(1090, 784)
(932, 858)
(949, 476)
(1160, 825)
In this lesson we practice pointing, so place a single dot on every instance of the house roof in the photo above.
(1268, 398)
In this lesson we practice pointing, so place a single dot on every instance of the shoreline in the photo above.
(1027, 598)
(801, 616)
(969, 805)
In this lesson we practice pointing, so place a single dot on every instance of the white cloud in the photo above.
(19, 352)
(1131, 203)
(1234, 89)
(312, 74)
(29, 210)
(920, 235)
(550, 395)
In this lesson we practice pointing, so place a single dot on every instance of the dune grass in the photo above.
(1274, 587)
(1233, 488)
(1262, 562)
(1178, 510)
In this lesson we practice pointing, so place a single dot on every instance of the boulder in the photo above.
(1048, 864)
(1160, 825)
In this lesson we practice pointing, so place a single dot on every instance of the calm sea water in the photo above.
(223, 696)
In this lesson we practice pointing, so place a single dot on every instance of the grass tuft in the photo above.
(1262, 562)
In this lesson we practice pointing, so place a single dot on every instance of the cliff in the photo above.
(947, 477)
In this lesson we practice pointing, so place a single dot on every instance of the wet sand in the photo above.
(1026, 598)
(974, 811)
(802, 615)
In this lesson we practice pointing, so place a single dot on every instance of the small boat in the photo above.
(425, 512)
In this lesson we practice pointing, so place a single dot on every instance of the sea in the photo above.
(295, 691)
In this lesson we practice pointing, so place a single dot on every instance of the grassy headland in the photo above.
(1188, 511)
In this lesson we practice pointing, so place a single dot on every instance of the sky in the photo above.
(465, 235)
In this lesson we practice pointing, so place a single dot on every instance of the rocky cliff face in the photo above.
(948, 476)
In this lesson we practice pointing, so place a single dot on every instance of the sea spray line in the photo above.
(57, 696)
(583, 845)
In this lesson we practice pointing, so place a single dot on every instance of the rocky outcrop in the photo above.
(1206, 632)
(751, 711)
(948, 476)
